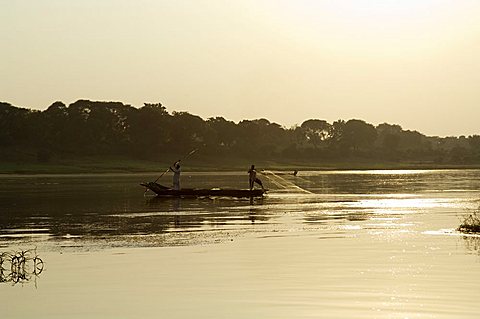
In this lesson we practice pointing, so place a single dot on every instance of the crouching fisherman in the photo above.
(252, 174)
(176, 175)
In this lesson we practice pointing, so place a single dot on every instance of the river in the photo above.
(323, 244)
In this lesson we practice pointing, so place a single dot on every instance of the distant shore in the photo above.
(123, 165)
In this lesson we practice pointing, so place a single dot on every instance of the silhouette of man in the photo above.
(252, 174)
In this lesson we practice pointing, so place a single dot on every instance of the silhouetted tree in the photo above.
(113, 128)
(221, 135)
(189, 132)
(317, 131)
(357, 135)
(149, 129)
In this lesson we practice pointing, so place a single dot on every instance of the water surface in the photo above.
(337, 244)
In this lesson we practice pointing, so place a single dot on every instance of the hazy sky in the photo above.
(410, 62)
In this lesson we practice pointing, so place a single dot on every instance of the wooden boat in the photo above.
(161, 190)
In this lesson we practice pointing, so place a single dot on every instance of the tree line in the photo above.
(86, 128)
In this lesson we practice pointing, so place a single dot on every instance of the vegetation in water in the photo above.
(471, 223)
(20, 266)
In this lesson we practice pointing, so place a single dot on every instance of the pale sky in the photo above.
(415, 63)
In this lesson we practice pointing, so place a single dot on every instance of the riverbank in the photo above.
(199, 163)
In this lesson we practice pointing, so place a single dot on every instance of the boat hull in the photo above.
(202, 192)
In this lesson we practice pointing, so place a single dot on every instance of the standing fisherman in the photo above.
(252, 177)
(176, 175)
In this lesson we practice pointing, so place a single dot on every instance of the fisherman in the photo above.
(252, 174)
(176, 175)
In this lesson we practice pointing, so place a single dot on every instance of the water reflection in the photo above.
(356, 245)
(74, 210)
(20, 267)
(472, 243)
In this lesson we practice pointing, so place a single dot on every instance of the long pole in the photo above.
(184, 158)
(162, 174)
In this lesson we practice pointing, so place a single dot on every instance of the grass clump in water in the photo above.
(471, 223)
